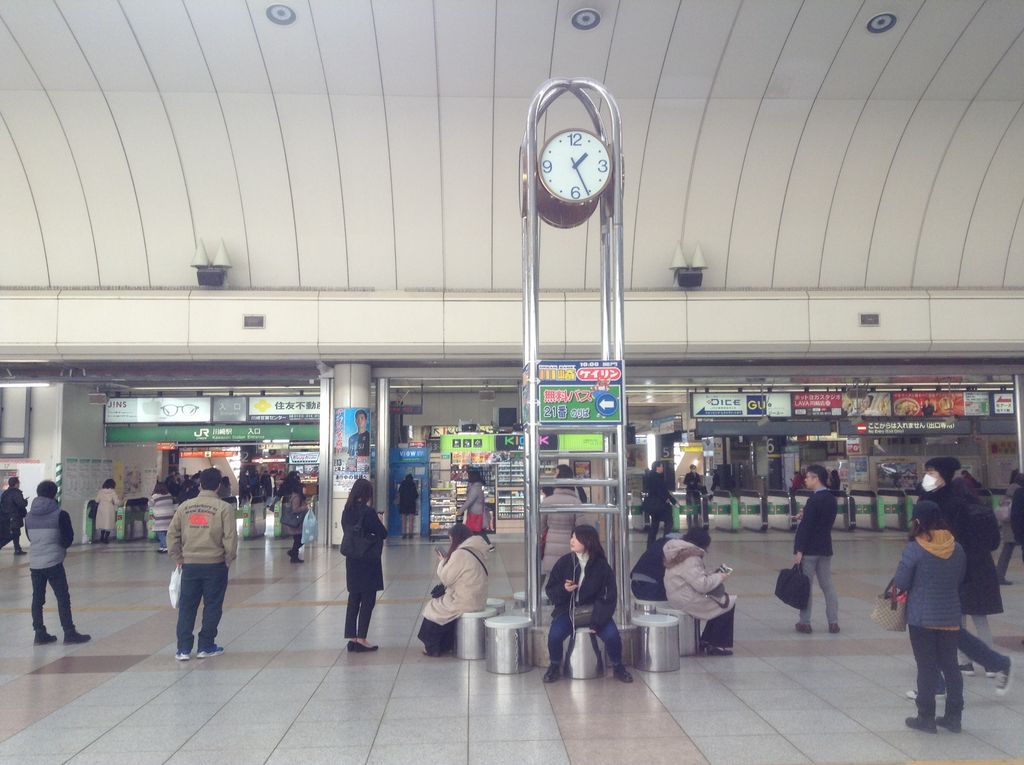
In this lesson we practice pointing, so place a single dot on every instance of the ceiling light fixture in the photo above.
(585, 19)
(24, 385)
(281, 14)
(883, 22)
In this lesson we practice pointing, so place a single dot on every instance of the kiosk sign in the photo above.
(580, 392)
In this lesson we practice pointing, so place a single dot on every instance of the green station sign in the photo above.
(208, 434)
(580, 393)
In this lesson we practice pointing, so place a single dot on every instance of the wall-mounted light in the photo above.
(211, 273)
(33, 384)
(688, 273)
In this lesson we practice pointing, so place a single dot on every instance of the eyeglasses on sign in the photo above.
(171, 410)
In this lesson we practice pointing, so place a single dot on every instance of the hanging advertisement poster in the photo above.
(352, 447)
(740, 405)
(818, 404)
(976, 404)
(928, 404)
(1002, 403)
(867, 405)
(130, 411)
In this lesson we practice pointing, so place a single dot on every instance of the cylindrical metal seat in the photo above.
(657, 643)
(584, 657)
(469, 634)
(649, 606)
(498, 604)
(689, 631)
(519, 600)
(507, 641)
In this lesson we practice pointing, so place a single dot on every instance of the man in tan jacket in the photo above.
(202, 540)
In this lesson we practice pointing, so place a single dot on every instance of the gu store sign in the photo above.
(740, 405)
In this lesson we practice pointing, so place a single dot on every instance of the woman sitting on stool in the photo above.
(690, 589)
(463, 589)
(583, 578)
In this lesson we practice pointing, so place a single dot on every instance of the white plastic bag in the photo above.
(174, 588)
(309, 528)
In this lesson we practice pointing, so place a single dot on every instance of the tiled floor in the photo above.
(286, 692)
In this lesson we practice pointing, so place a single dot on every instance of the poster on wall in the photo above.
(928, 404)
(352, 447)
(896, 474)
(1002, 403)
(867, 405)
(857, 470)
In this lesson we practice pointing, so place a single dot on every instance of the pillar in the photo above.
(1018, 412)
(350, 388)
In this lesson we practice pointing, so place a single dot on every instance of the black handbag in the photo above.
(718, 596)
(438, 591)
(357, 544)
(793, 587)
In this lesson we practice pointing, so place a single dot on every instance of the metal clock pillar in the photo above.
(540, 200)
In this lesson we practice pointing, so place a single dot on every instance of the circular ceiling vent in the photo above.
(585, 19)
(883, 22)
(281, 14)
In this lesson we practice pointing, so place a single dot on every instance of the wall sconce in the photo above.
(211, 274)
(689, 274)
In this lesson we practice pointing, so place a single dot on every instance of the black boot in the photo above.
(43, 637)
(621, 673)
(923, 724)
(74, 636)
(552, 675)
(950, 721)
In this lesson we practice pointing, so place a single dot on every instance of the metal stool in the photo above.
(649, 606)
(469, 634)
(585, 658)
(498, 604)
(507, 640)
(657, 643)
(689, 631)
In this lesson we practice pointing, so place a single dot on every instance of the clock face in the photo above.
(574, 166)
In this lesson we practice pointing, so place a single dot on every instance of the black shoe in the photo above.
(952, 724)
(43, 637)
(552, 675)
(70, 638)
(715, 650)
(621, 673)
(22, 552)
(923, 724)
(360, 648)
(297, 559)
(967, 669)
(351, 644)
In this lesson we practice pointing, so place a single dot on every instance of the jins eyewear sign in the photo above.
(131, 411)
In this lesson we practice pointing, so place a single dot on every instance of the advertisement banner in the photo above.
(867, 405)
(283, 408)
(580, 392)
(352, 447)
(740, 405)
(467, 442)
(131, 411)
(928, 404)
(977, 404)
(1002, 403)
(818, 404)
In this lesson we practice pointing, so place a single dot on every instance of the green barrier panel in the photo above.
(150, 526)
(248, 521)
(778, 508)
(120, 523)
(675, 517)
(734, 514)
(908, 512)
(90, 527)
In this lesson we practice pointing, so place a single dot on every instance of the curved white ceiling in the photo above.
(374, 144)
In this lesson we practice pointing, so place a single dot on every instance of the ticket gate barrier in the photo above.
(866, 509)
(699, 515)
(894, 509)
(847, 512)
(752, 510)
(125, 517)
(726, 504)
(779, 507)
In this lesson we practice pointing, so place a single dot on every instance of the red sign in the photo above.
(598, 374)
(166, 446)
(927, 404)
(862, 427)
(824, 404)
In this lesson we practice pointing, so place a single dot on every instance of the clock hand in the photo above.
(579, 161)
(581, 178)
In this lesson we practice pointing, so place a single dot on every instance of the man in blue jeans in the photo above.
(202, 540)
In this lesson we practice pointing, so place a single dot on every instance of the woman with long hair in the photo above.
(293, 501)
(474, 508)
(463, 589)
(364, 576)
(583, 578)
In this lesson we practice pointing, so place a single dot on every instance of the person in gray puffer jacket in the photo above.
(50, 531)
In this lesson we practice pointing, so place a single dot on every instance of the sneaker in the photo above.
(923, 724)
(183, 655)
(213, 650)
(990, 675)
(552, 675)
(73, 637)
(1003, 681)
(912, 695)
(621, 673)
(967, 669)
(804, 628)
(952, 724)
(44, 638)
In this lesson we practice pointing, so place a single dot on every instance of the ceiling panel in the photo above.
(15, 73)
(308, 130)
(904, 198)
(696, 47)
(923, 47)
(291, 53)
(1005, 81)
(813, 43)
(108, 184)
(995, 212)
(169, 43)
(465, 32)
(506, 239)
(941, 245)
(225, 32)
(49, 45)
(583, 54)
(642, 33)
(855, 199)
(522, 56)
(348, 45)
(56, 188)
(366, 180)
(757, 39)
(22, 242)
(406, 46)
(103, 32)
(1015, 255)
(863, 55)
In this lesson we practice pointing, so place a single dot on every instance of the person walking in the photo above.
(694, 485)
(812, 547)
(107, 503)
(202, 539)
(834, 482)
(692, 589)
(49, 530)
(364, 576)
(1014, 505)
(293, 512)
(556, 528)
(658, 502)
(930, 572)
(408, 496)
(463, 589)
(13, 509)
(474, 508)
(161, 505)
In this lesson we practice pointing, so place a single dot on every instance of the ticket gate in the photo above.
(779, 511)
(893, 509)
(724, 508)
(865, 509)
(752, 510)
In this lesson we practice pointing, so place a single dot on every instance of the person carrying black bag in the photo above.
(812, 547)
(658, 502)
(364, 574)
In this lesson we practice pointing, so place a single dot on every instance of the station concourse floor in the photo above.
(285, 691)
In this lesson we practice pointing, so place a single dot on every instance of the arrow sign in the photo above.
(607, 405)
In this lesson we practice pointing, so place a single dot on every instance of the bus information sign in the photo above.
(580, 392)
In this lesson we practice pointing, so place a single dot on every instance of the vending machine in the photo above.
(403, 461)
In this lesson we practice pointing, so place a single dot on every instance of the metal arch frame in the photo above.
(612, 326)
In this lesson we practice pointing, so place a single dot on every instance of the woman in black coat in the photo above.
(364, 576)
(407, 499)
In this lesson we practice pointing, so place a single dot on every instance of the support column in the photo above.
(381, 438)
(1018, 412)
(351, 389)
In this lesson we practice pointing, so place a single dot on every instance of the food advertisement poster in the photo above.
(928, 404)
(868, 404)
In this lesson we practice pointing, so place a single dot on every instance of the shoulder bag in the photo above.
(718, 596)
(357, 544)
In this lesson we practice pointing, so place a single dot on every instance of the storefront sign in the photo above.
(283, 408)
(129, 411)
(509, 443)
(166, 446)
(818, 404)
(436, 431)
(186, 434)
(917, 427)
(230, 408)
(1002, 403)
(580, 392)
(304, 458)
(207, 453)
(740, 405)
(467, 442)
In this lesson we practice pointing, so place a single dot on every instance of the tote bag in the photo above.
(793, 587)
(890, 611)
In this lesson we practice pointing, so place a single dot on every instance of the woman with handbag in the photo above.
(474, 508)
(293, 512)
(930, 572)
(690, 588)
(364, 574)
(582, 588)
(463, 589)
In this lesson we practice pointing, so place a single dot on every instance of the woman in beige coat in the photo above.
(556, 528)
(107, 503)
(463, 589)
(695, 591)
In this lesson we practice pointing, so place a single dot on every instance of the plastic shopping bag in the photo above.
(309, 528)
(174, 588)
